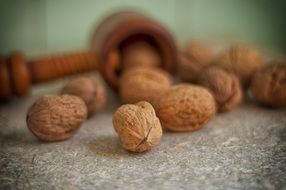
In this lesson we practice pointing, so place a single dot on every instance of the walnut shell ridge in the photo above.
(91, 91)
(138, 127)
(185, 107)
(56, 118)
(224, 86)
(269, 85)
(143, 83)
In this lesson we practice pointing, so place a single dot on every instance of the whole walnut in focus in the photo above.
(91, 91)
(224, 86)
(194, 57)
(269, 85)
(56, 118)
(185, 107)
(140, 54)
(242, 61)
(143, 83)
(138, 127)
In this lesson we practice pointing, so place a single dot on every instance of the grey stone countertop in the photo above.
(243, 149)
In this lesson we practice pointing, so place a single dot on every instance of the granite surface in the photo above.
(243, 149)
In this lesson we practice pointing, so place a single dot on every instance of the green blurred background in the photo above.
(63, 25)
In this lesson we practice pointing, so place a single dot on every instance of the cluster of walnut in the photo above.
(182, 107)
(58, 117)
(152, 101)
(220, 84)
(229, 74)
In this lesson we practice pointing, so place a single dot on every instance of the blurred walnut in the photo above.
(269, 85)
(91, 91)
(242, 60)
(224, 86)
(193, 59)
(55, 118)
(185, 107)
(138, 127)
(143, 83)
(140, 54)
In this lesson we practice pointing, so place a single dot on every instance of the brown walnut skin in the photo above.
(243, 61)
(224, 86)
(56, 118)
(185, 107)
(143, 83)
(140, 54)
(91, 91)
(138, 127)
(193, 59)
(269, 85)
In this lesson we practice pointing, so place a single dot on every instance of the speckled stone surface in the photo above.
(244, 149)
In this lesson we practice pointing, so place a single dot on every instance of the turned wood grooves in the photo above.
(17, 75)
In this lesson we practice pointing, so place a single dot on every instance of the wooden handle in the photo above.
(17, 75)
(50, 68)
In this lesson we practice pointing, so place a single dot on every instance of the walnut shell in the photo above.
(143, 83)
(185, 107)
(91, 91)
(224, 86)
(56, 118)
(242, 61)
(140, 54)
(138, 127)
(269, 85)
(193, 59)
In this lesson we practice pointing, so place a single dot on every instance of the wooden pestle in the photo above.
(109, 38)
(18, 74)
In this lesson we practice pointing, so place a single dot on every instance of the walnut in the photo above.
(185, 107)
(137, 126)
(56, 118)
(91, 91)
(193, 59)
(269, 85)
(224, 86)
(143, 83)
(140, 54)
(242, 60)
